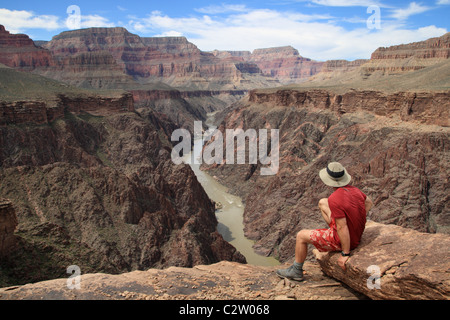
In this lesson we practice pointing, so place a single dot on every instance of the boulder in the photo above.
(395, 263)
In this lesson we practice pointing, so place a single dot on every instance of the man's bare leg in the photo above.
(295, 272)
(301, 245)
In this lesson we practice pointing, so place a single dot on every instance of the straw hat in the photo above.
(335, 175)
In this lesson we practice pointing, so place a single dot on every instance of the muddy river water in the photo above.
(230, 215)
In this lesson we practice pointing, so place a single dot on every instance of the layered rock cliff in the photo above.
(390, 131)
(408, 67)
(18, 50)
(410, 57)
(185, 107)
(172, 60)
(40, 112)
(285, 64)
(89, 70)
(115, 58)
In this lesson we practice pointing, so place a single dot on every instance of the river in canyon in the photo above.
(230, 215)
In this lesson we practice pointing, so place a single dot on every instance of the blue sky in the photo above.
(319, 29)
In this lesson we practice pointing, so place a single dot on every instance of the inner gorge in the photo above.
(230, 208)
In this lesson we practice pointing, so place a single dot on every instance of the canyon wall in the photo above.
(409, 57)
(422, 107)
(185, 107)
(18, 50)
(285, 64)
(172, 60)
(40, 112)
(107, 58)
(95, 186)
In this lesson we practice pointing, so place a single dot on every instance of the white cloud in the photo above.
(170, 34)
(439, 2)
(90, 21)
(412, 9)
(223, 8)
(17, 21)
(314, 36)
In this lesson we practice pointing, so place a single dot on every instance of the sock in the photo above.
(298, 266)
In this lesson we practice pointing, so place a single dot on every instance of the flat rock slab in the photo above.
(220, 281)
(395, 263)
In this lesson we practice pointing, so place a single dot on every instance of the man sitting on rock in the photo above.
(345, 213)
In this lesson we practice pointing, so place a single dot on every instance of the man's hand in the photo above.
(341, 262)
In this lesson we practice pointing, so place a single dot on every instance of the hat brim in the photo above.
(329, 181)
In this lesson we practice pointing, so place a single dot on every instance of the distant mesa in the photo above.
(111, 58)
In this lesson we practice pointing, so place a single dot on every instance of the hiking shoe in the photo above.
(291, 273)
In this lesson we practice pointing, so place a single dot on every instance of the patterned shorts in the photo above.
(323, 239)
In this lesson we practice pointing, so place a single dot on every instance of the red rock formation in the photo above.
(111, 57)
(172, 60)
(409, 57)
(424, 107)
(285, 64)
(19, 51)
(98, 105)
(429, 49)
(342, 65)
(89, 70)
(39, 112)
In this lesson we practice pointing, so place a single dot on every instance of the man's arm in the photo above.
(344, 234)
(368, 204)
(344, 237)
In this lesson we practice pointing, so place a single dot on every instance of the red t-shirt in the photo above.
(349, 202)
